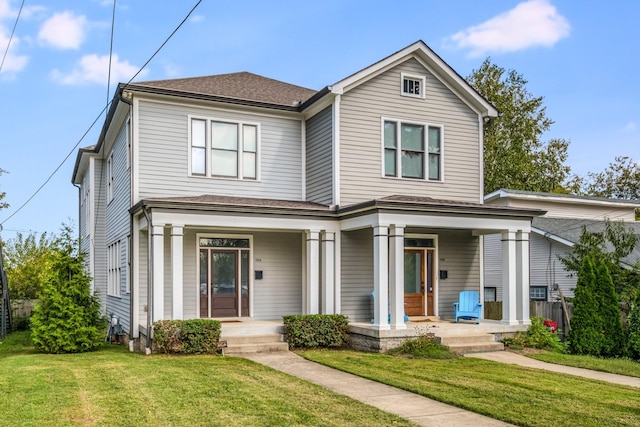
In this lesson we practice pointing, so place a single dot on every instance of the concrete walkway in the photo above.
(517, 359)
(420, 410)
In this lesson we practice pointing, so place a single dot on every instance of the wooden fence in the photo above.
(22, 308)
(549, 310)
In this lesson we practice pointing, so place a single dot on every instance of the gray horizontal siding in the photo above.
(163, 155)
(319, 157)
(357, 274)
(361, 111)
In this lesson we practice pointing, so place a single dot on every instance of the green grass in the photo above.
(115, 387)
(614, 366)
(511, 393)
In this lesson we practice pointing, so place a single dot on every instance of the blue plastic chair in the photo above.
(468, 306)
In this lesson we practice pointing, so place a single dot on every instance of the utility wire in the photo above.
(113, 24)
(11, 37)
(98, 117)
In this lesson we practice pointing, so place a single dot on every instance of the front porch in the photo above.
(365, 337)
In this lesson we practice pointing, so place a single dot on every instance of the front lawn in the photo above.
(613, 366)
(511, 393)
(114, 387)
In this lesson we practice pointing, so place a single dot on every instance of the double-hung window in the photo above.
(412, 150)
(113, 269)
(224, 149)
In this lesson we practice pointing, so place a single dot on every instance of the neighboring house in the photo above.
(553, 234)
(239, 196)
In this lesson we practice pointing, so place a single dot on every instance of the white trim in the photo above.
(210, 235)
(110, 178)
(313, 271)
(415, 77)
(335, 126)
(303, 159)
(337, 269)
(551, 236)
(557, 198)
(157, 260)
(91, 228)
(135, 164)
(481, 161)
(135, 291)
(177, 269)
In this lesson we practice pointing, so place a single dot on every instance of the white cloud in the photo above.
(630, 127)
(95, 69)
(197, 18)
(64, 30)
(13, 62)
(531, 23)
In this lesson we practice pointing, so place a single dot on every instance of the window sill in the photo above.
(396, 178)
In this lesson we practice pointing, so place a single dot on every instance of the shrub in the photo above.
(633, 330)
(538, 336)
(68, 318)
(424, 346)
(585, 336)
(187, 336)
(613, 339)
(317, 330)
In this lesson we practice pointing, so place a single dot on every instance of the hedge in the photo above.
(317, 330)
(186, 336)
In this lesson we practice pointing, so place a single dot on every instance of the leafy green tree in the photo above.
(613, 339)
(68, 318)
(620, 180)
(28, 262)
(514, 155)
(585, 336)
(612, 244)
(633, 330)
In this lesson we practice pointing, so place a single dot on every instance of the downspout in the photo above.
(149, 279)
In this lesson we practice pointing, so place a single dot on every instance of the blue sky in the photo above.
(581, 56)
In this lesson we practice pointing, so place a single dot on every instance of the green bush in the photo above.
(633, 330)
(585, 336)
(68, 318)
(317, 330)
(538, 336)
(187, 336)
(424, 346)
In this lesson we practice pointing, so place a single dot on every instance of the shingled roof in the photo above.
(243, 86)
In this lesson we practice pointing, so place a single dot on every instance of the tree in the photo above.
(613, 339)
(514, 155)
(3, 205)
(620, 180)
(612, 244)
(633, 330)
(68, 318)
(585, 336)
(28, 262)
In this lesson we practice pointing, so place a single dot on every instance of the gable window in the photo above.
(113, 269)
(224, 149)
(412, 85)
(412, 150)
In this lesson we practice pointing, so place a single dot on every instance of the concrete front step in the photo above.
(476, 343)
(251, 344)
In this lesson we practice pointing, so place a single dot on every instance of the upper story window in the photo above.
(412, 85)
(224, 149)
(113, 269)
(110, 178)
(412, 150)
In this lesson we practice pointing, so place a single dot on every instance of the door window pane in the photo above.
(224, 273)
(244, 272)
(412, 273)
(204, 275)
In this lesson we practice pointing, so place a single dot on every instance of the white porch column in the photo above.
(380, 277)
(396, 276)
(522, 278)
(328, 271)
(509, 281)
(157, 236)
(177, 265)
(313, 272)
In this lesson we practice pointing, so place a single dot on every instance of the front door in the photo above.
(419, 282)
(224, 282)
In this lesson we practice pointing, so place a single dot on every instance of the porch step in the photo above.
(476, 343)
(248, 344)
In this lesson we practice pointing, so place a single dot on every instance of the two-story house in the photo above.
(242, 197)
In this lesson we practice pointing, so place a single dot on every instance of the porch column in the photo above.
(177, 265)
(380, 277)
(328, 264)
(396, 276)
(313, 272)
(509, 284)
(522, 278)
(157, 259)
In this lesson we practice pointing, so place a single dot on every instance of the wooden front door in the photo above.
(419, 282)
(224, 283)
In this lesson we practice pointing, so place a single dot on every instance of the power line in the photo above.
(113, 24)
(99, 115)
(11, 37)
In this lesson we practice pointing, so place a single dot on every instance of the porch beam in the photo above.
(380, 277)
(313, 272)
(328, 263)
(522, 278)
(177, 265)
(509, 284)
(157, 236)
(396, 276)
